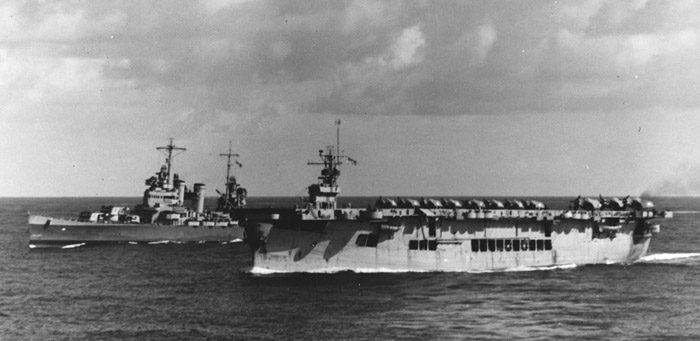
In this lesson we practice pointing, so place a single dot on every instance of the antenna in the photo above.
(337, 137)
(169, 160)
(229, 155)
(331, 162)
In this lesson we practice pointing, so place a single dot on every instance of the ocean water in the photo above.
(207, 291)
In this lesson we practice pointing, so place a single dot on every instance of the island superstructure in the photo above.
(443, 235)
(169, 212)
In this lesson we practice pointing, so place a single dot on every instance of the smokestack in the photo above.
(181, 192)
(199, 190)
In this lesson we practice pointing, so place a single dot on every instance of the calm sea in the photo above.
(206, 292)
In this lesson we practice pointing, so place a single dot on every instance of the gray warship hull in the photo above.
(442, 235)
(56, 232)
(166, 214)
(445, 240)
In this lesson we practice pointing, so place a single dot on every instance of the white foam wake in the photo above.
(71, 246)
(660, 257)
(544, 268)
(262, 271)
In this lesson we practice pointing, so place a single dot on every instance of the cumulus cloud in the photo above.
(487, 37)
(398, 58)
(214, 6)
(406, 49)
(361, 15)
(57, 22)
(217, 68)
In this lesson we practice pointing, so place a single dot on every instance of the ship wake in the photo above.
(662, 258)
(262, 271)
(55, 246)
(73, 246)
(669, 258)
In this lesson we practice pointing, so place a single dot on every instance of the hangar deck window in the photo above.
(499, 244)
(483, 245)
(422, 244)
(510, 245)
(432, 245)
(492, 244)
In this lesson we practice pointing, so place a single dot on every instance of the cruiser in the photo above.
(168, 213)
(443, 235)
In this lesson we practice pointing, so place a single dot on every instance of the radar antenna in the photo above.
(168, 151)
(229, 155)
(331, 161)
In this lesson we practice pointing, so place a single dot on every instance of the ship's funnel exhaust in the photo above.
(181, 192)
(199, 190)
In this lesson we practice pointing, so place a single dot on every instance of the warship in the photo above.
(169, 212)
(442, 235)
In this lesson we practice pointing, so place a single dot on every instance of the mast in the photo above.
(229, 155)
(169, 160)
(331, 161)
(325, 192)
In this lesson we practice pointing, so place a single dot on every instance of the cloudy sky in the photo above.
(435, 98)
